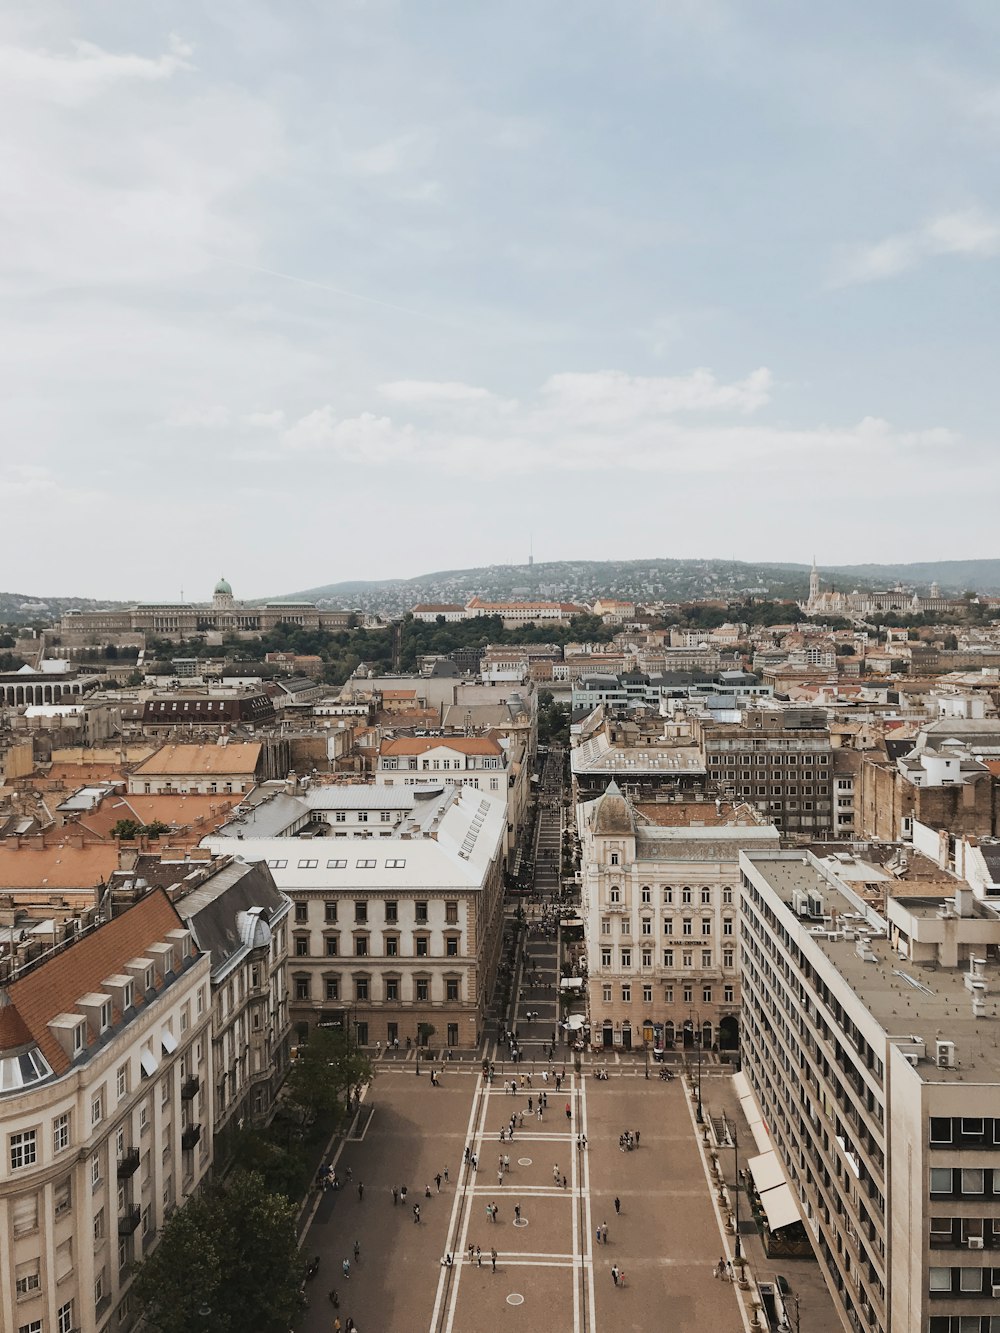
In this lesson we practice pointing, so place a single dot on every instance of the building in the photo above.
(781, 760)
(199, 768)
(937, 779)
(105, 1058)
(870, 1046)
(835, 604)
(660, 906)
(429, 613)
(398, 909)
(189, 620)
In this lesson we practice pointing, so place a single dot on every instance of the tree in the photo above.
(329, 1065)
(128, 829)
(231, 1251)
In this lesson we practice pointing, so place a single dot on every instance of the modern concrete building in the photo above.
(870, 1043)
(659, 904)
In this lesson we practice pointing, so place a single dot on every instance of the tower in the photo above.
(222, 596)
(814, 583)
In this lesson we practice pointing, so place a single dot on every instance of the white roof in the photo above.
(448, 842)
(359, 796)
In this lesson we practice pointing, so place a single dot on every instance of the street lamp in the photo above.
(736, 1189)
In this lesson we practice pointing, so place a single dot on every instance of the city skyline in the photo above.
(293, 295)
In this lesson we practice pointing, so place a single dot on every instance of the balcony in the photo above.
(190, 1137)
(129, 1220)
(189, 1088)
(128, 1163)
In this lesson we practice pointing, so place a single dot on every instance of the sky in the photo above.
(344, 289)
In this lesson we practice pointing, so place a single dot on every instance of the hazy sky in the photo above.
(326, 289)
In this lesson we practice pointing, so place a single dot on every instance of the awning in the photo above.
(571, 983)
(575, 1021)
(149, 1062)
(758, 1127)
(766, 1171)
(169, 1041)
(780, 1207)
(741, 1084)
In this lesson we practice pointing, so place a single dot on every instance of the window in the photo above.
(647, 995)
(668, 925)
(668, 994)
(687, 926)
(706, 994)
(614, 858)
(367, 864)
(941, 1180)
(451, 946)
(340, 817)
(706, 925)
(423, 987)
(973, 1180)
(391, 946)
(939, 1279)
(385, 816)
(706, 957)
(34, 1327)
(606, 994)
(361, 988)
(668, 897)
(688, 994)
(626, 957)
(362, 816)
(99, 1224)
(62, 1197)
(360, 912)
(361, 946)
(606, 925)
(727, 894)
(95, 1170)
(647, 958)
(308, 864)
(302, 988)
(727, 925)
(615, 894)
(605, 958)
(421, 910)
(395, 865)
(728, 994)
(706, 897)
(626, 994)
(329, 912)
(301, 913)
(27, 1280)
(668, 957)
(60, 1133)
(687, 958)
(451, 988)
(336, 865)
(23, 1149)
(333, 988)
(451, 914)
(728, 958)
(647, 894)
(332, 945)
(392, 988)
(941, 1129)
(685, 895)
(392, 911)
(626, 926)
(301, 946)
(647, 925)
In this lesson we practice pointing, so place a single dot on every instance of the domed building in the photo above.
(189, 620)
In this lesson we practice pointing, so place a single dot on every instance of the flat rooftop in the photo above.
(903, 996)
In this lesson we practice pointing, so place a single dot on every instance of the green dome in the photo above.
(222, 587)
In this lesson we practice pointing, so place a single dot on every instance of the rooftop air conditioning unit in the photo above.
(912, 1058)
(945, 1054)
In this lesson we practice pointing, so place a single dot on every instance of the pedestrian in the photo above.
(500, 1176)
(597, 1235)
(345, 1268)
(604, 1233)
(621, 1277)
(349, 1174)
(427, 1191)
(637, 1138)
(336, 1323)
(506, 1161)
(618, 1204)
(489, 1212)
(445, 1174)
(517, 1212)
(402, 1194)
(416, 1213)
(465, 1156)
(437, 1182)
(569, 1112)
(583, 1141)
(503, 1135)
(555, 1173)
(395, 1196)
(614, 1274)
(496, 1212)
(493, 1259)
(357, 1252)
(361, 1190)
(564, 1182)
(479, 1257)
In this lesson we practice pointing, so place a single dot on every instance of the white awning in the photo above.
(766, 1171)
(149, 1062)
(780, 1207)
(741, 1085)
(169, 1041)
(571, 983)
(758, 1127)
(575, 1021)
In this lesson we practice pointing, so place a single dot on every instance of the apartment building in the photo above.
(870, 1045)
(105, 1055)
(398, 909)
(199, 768)
(660, 908)
(781, 760)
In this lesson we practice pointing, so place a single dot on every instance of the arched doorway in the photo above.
(627, 1036)
(669, 1035)
(607, 1035)
(706, 1036)
(687, 1033)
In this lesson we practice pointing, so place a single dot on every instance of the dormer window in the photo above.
(105, 1015)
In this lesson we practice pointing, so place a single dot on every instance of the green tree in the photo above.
(329, 1065)
(155, 829)
(230, 1251)
(129, 829)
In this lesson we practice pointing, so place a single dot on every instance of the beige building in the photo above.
(870, 1047)
(660, 909)
(398, 895)
(198, 768)
(105, 1058)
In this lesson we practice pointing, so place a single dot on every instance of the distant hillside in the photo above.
(669, 580)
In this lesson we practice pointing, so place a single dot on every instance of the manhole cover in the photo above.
(520, 1221)
(524, 1161)
(515, 1298)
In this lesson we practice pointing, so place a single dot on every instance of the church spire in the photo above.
(814, 582)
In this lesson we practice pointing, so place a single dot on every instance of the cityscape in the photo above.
(499, 668)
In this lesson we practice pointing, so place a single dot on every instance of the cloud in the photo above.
(971, 233)
(600, 422)
(70, 79)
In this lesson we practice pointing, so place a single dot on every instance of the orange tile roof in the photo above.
(55, 986)
(399, 694)
(239, 757)
(180, 812)
(61, 866)
(421, 744)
